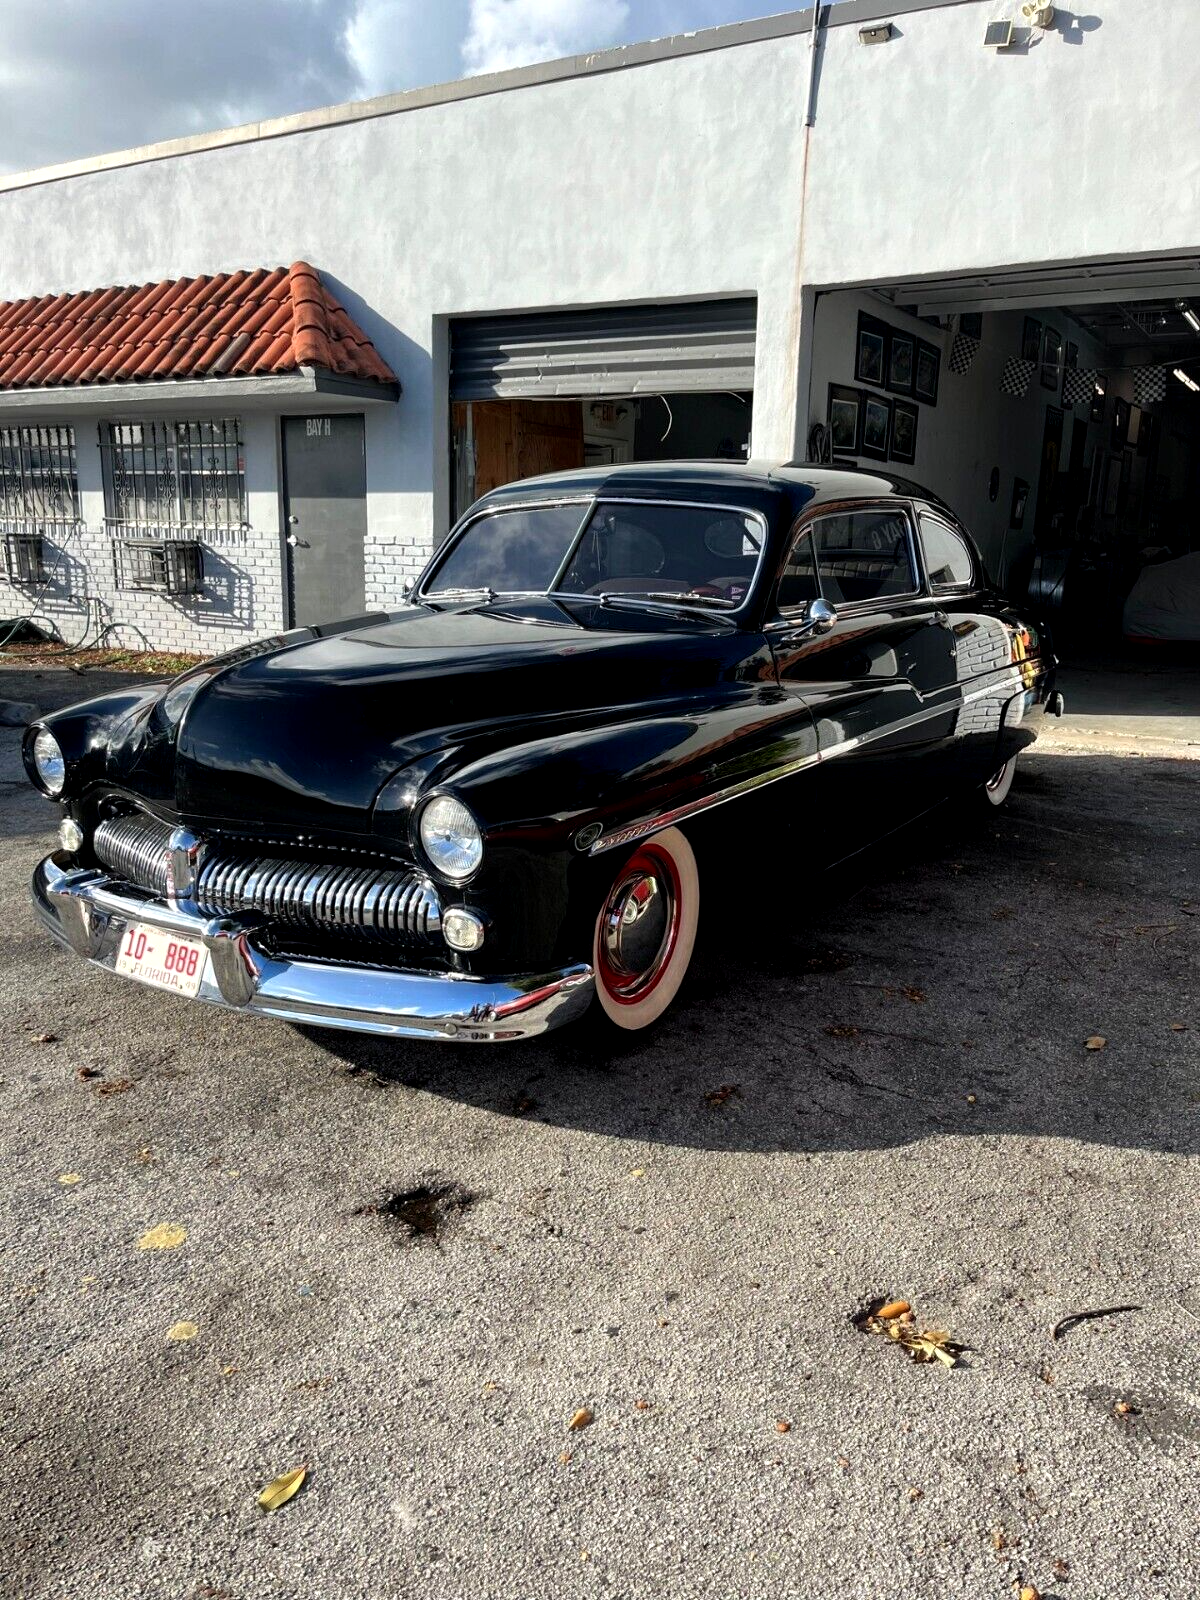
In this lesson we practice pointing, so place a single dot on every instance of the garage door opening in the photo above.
(1060, 419)
(548, 392)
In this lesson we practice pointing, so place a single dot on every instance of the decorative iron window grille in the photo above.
(167, 566)
(176, 476)
(24, 558)
(38, 480)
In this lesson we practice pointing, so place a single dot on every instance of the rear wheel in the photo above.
(646, 931)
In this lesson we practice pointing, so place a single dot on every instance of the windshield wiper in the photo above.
(672, 597)
(479, 592)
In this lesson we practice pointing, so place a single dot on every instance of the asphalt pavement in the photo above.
(408, 1266)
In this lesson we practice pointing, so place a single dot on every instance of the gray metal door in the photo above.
(685, 347)
(325, 503)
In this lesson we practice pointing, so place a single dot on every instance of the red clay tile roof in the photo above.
(234, 324)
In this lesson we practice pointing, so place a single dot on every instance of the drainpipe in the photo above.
(794, 322)
(814, 44)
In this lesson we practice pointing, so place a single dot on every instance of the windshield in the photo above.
(660, 552)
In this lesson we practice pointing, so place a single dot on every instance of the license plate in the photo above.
(165, 960)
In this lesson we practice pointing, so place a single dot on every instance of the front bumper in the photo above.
(89, 912)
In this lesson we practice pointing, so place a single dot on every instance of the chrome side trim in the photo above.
(87, 911)
(691, 808)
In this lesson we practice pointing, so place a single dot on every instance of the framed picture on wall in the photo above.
(1031, 339)
(1020, 499)
(1120, 423)
(845, 419)
(877, 427)
(904, 431)
(929, 365)
(1052, 356)
(902, 357)
(871, 350)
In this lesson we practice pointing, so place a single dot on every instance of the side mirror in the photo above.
(820, 616)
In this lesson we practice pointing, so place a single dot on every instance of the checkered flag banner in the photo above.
(1014, 380)
(1079, 384)
(962, 354)
(1149, 385)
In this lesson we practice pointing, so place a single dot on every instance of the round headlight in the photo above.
(48, 762)
(450, 837)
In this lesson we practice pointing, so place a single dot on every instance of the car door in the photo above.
(879, 677)
(983, 643)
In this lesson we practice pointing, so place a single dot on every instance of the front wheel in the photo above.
(646, 931)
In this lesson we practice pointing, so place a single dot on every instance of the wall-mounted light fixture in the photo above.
(876, 33)
(1188, 315)
(1188, 382)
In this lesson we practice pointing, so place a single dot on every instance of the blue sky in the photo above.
(82, 76)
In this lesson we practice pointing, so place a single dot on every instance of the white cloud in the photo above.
(82, 76)
(512, 33)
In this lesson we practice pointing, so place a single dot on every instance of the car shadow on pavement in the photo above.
(948, 982)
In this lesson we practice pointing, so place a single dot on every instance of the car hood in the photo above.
(309, 732)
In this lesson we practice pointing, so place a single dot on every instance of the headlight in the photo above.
(48, 762)
(450, 837)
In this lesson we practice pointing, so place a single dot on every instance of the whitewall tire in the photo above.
(646, 931)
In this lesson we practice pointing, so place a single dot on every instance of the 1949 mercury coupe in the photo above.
(476, 816)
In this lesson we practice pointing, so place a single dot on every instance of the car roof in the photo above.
(756, 480)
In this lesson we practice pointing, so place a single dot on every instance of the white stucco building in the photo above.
(883, 229)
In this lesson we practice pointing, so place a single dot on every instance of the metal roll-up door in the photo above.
(616, 350)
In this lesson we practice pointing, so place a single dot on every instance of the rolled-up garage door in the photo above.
(613, 350)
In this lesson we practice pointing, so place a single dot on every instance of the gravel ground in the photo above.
(915, 1113)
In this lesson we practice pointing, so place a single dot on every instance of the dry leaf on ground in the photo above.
(718, 1097)
(886, 1318)
(180, 1332)
(582, 1419)
(44, 1038)
(69, 1178)
(114, 1086)
(279, 1492)
(1096, 1042)
(166, 1236)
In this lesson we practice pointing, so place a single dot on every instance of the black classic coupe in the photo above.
(477, 816)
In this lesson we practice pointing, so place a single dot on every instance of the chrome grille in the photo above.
(135, 847)
(326, 895)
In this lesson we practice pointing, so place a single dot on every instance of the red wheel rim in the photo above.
(639, 926)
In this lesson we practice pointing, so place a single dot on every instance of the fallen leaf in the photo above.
(1178, 1027)
(44, 1038)
(84, 1073)
(114, 1086)
(228, 1372)
(279, 1492)
(637, 1172)
(718, 1097)
(69, 1178)
(641, 1405)
(166, 1236)
(999, 1539)
(583, 1418)
(843, 1462)
(917, 996)
(1062, 1569)
(1096, 1042)
(1125, 1408)
(1028, 1592)
(181, 1332)
(783, 1426)
(914, 1493)
(564, 1456)
(972, 1099)
(894, 1320)
(842, 1030)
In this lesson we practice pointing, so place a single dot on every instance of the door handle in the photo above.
(297, 544)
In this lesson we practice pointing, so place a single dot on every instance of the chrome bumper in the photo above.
(89, 912)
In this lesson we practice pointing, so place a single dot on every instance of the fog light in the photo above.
(70, 835)
(463, 930)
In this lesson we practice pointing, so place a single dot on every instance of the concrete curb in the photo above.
(17, 713)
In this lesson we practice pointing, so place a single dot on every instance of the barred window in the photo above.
(169, 475)
(38, 480)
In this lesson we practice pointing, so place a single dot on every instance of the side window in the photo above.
(947, 558)
(863, 555)
(798, 582)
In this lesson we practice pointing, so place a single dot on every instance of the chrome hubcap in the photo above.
(637, 930)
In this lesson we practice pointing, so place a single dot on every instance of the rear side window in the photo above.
(947, 556)
(863, 555)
